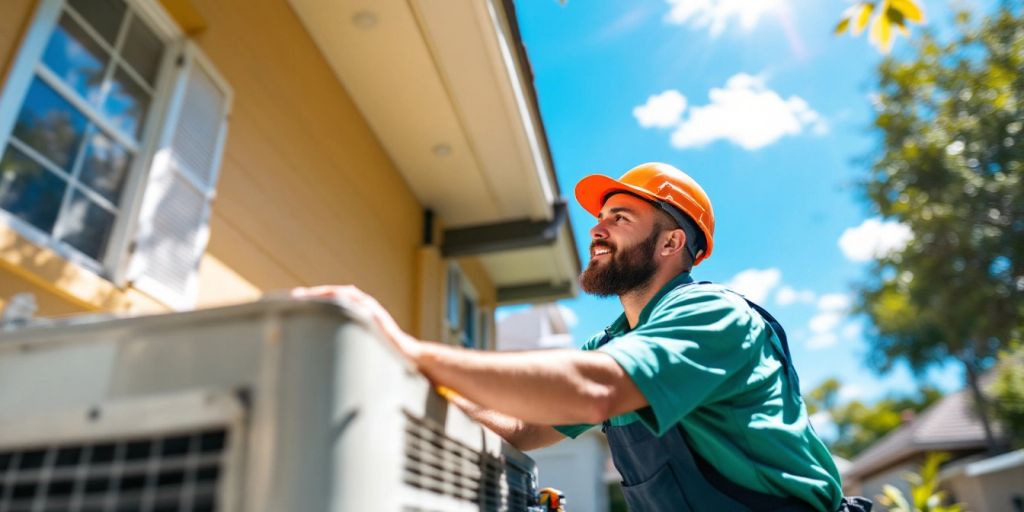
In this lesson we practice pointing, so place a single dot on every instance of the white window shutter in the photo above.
(172, 228)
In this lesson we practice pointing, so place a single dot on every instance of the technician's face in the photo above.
(622, 247)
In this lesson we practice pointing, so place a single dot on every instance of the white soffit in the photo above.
(552, 264)
(442, 72)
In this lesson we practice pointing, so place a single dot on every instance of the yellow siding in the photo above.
(487, 296)
(63, 287)
(17, 14)
(306, 194)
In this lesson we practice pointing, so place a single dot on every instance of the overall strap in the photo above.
(781, 334)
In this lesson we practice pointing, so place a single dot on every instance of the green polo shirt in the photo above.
(705, 360)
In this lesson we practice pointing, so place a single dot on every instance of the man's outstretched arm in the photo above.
(522, 435)
(544, 387)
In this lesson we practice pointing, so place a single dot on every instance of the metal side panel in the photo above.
(334, 418)
(174, 452)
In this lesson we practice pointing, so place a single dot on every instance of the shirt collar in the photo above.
(621, 326)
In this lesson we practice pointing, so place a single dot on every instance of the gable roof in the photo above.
(949, 424)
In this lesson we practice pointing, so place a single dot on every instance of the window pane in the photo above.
(86, 225)
(49, 124)
(454, 294)
(142, 50)
(28, 190)
(77, 59)
(126, 104)
(103, 15)
(105, 166)
(469, 323)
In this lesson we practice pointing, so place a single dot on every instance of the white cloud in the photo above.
(822, 421)
(851, 331)
(834, 302)
(822, 340)
(661, 110)
(571, 320)
(850, 392)
(829, 323)
(788, 295)
(874, 238)
(714, 15)
(825, 322)
(746, 113)
(756, 284)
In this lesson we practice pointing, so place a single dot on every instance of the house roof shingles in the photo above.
(950, 424)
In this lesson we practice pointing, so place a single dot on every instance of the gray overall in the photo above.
(661, 474)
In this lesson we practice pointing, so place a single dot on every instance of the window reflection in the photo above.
(90, 145)
(50, 125)
(105, 166)
(103, 15)
(29, 191)
(77, 59)
(86, 225)
(468, 323)
(142, 50)
(126, 104)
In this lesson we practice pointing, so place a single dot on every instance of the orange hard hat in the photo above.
(662, 184)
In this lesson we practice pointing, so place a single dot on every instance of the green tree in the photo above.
(951, 168)
(860, 425)
(823, 397)
(1007, 393)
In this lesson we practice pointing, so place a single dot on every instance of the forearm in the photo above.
(550, 387)
(524, 436)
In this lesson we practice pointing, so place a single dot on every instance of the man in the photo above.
(692, 384)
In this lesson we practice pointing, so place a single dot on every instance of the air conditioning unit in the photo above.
(274, 406)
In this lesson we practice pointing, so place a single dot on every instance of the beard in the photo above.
(626, 270)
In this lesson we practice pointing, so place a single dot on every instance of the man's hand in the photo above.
(549, 387)
(358, 300)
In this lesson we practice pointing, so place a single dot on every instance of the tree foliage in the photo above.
(1007, 391)
(885, 18)
(860, 425)
(951, 169)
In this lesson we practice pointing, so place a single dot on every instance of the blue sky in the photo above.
(769, 112)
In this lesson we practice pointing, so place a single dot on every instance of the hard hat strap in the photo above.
(695, 241)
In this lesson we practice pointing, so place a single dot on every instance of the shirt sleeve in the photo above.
(690, 346)
(573, 431)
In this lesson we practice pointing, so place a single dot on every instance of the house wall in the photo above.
(306, 194)
(576, 468)
(871, 487)
(990, 492)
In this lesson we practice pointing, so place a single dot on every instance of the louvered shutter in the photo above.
(172, 228)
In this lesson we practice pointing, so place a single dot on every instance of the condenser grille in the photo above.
(167, 473)
(519, 482)
(438, 463)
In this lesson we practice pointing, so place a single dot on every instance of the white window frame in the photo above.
(113, 263)
(484, 322)
(455, 331)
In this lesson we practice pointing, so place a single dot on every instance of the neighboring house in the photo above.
(576, 467)
(992, 484)
(159, 155)
(981, 482)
